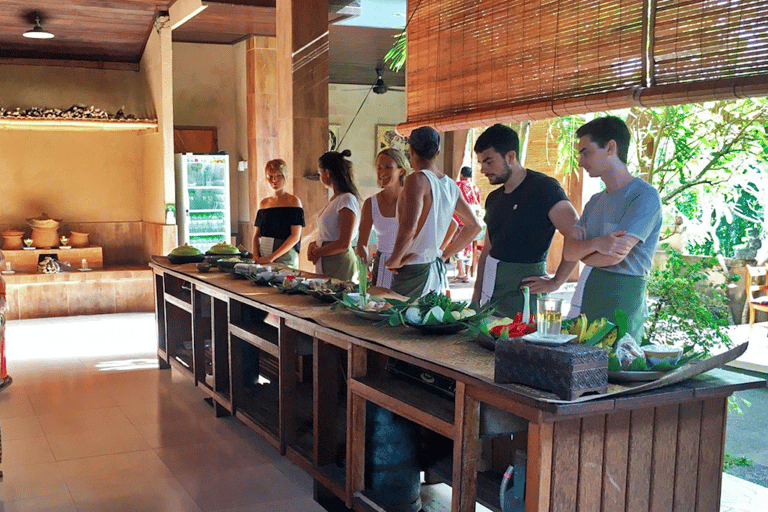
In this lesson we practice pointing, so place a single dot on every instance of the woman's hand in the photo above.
(362, 252)
(264, 260)
(312, 252)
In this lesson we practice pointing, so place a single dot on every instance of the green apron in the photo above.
(289, 259)
(605, 292)
(507, 296)
(410, 280)
(341, 266)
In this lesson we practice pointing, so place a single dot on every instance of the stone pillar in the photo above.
(261, 107)
(302, 101)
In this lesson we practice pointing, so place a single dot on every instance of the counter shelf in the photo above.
(661, 448)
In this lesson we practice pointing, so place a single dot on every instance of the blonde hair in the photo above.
(277, 165)
(401, 161)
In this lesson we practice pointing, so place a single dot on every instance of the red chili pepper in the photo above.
(518, 318)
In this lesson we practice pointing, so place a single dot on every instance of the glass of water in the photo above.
(549, 315)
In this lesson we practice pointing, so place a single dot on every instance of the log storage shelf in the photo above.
(303, 377)
(78, 125)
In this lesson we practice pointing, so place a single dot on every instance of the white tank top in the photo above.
(426, 244)
(385, 227)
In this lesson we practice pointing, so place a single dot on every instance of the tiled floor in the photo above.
(90, 424)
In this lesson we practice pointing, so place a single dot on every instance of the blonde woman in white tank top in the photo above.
(379, 213)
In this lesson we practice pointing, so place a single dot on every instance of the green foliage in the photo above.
(687, 309)
(397, 55)
(730, 461)
(707, 160)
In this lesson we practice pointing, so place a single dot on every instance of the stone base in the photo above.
(100, 291)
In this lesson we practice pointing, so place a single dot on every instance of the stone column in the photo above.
(302, 101)
(261, 106)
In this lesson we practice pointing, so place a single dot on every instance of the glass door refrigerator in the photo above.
(202, 199)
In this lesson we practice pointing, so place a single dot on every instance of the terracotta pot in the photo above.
(12, 240)
(44, 221)
(45, 237)
(77, 239)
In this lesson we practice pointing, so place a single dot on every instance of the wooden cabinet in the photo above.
(303, 377)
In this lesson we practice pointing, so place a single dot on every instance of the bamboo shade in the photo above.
(486, 61)
(708, 49)
(492, 60)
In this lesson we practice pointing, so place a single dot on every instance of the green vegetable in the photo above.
(434, 316)
(362, 272)
(613, 362)
(638, 365)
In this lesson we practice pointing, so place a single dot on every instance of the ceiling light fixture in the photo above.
(37, 32)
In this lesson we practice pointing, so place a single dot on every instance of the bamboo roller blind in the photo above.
(486, 61)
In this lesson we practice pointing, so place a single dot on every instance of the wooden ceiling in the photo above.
(116, 31)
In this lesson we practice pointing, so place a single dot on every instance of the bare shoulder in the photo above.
(416, 181)
(294, 201)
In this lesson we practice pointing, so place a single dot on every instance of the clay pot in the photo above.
(45, 237)
(78, 239)
(12, 240)
(44, 221)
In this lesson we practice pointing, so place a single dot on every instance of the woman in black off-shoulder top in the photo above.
(277, 238)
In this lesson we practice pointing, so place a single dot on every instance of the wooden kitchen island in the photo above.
(300, 375)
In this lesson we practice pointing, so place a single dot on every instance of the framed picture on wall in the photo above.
(387, 137)
(333, 136)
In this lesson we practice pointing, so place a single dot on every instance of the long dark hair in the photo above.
(340, 170)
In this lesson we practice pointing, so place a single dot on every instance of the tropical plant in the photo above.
(397, 55)
(707, 160)
(686, 308)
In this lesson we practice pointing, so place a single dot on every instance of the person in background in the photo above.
(621, 227)
(379, 213)
(521, 217)
(471, 195)
(424, 211)
(338, 221)
(277, 238)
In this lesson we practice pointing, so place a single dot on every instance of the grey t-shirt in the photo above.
(634, 208)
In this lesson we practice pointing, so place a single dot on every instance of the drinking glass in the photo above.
(549, 315)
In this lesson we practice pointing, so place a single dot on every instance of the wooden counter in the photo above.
(317, 368)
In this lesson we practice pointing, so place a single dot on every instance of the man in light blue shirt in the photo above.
(621, 227)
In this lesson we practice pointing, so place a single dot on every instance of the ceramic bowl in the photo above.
(203, 267)
(657, 354)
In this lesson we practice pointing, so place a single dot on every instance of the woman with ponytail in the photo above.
(338, 222)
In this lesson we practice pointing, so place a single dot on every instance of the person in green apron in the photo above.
(424, 211)
(521, 217)
(619, 228)
(337, 222)
(279, 221)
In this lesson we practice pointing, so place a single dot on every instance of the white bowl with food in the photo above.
(657, 354)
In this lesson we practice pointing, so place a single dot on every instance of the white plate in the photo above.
(65, 247)
(559, 339)
(8, 272)
(84, 269)
(29, 248)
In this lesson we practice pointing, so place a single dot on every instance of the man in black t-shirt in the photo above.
(521, 218)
